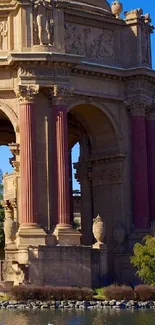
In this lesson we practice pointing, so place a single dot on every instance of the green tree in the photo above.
(2, 237)
(144, 259)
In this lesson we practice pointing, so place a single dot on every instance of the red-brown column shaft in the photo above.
(150, 132)
(62, 165)
(71, 186)
(28, 163)
(140, 172)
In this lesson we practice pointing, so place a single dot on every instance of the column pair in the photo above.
(64, 231)
(29, 233)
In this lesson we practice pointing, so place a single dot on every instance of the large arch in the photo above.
(96, 103)
(97, 132)
(11, 115)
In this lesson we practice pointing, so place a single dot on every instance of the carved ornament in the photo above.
(60, 95)
(42, 71)
(138, 105)
(91, 42)
(27, 93)
(7, 205)
(141, 84)
(3, 34)
(100, 172)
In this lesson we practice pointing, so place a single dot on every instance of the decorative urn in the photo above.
(98, 229)
(117, 8)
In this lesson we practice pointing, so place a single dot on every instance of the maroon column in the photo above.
(140, 171)
(28, 163)
(150, 132)
(62, 166)
(71, 186)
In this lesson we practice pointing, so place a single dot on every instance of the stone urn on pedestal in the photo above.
(117, 8)
(9, 224)
(98, 232)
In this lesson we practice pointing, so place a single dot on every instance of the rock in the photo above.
(112, 303)
(21, 306)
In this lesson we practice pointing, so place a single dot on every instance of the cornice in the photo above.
(76, 65)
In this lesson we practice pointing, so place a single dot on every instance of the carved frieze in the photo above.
(3, 35)
(43, 22)
(140, 84)
(91, 42)
(39, 71)
(101, 171)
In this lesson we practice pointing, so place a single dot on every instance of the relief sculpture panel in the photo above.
(3, 35)
(94, 43)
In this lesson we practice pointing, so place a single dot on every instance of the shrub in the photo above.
(47, 293)
(118, 292)
(144, 260)
(144, 292)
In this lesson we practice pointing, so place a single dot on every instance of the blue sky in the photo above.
(148, 7)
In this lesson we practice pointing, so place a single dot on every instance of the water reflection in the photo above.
(105, 316)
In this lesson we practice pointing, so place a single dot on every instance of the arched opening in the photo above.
(89, 126)
(76, 187)
(7, 137)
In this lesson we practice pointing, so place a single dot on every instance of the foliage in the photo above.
(99, 294)
(47, 293)
(117, 292)
(1, 185)
(144, 260)
(144, 292)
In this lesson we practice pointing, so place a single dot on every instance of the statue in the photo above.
(43, 22)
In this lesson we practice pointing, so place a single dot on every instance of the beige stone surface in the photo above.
(79, 46)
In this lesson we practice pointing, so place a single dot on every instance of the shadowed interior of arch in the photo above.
(7, 134)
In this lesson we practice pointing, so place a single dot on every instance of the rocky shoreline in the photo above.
(72, 304)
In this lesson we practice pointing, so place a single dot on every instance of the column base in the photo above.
(30, 235)
(66, 235)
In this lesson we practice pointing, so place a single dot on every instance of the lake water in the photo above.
(77, 317)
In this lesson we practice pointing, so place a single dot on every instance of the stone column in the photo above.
(150, 132)
(139, 167)
(29, 231)
(71, 186)
(64, 232)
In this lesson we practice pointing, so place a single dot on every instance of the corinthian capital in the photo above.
(60, 95)
(27, 93)
(138, 105)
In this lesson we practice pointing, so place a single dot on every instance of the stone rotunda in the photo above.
(74, 71)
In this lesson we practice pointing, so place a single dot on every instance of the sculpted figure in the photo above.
(3, 33)
(43, 21)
